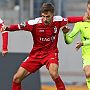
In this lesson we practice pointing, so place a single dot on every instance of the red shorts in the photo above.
(33, 64)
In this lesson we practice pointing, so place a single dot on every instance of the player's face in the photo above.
(47, 17)
(88, 9)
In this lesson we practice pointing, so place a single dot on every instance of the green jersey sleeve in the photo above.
(69, 37)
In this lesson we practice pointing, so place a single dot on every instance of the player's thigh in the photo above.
(52, 64)
(21, 73)
(53, 67)
(52, 60)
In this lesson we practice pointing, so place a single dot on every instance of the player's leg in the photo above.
(87, 73)
(52, 66)
(30, 65)
(18, 77)
(86, 68)
(53, 70)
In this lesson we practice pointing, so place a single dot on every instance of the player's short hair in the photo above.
(88, 2)
(47, 7)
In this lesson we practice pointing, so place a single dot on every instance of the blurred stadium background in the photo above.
(16, 11)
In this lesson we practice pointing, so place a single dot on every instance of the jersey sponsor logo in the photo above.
(47, 39)
(44, 39)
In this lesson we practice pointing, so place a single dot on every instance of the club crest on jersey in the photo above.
(55, 29)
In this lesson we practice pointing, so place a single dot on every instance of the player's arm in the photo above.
(83, 43)
(16, 27)
(74, 19)
(4, 39)
(4, 42)
(78, 45)
(13, 27)
(69, 37)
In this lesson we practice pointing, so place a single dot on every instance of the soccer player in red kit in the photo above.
(4, 39)
(44, 30)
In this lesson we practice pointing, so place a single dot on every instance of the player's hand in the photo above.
(4, 52)
(65, 29)
(3, 28)
(86, 17)
(78, 45)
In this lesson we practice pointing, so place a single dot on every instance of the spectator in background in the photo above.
(44, 30)
(84, 29)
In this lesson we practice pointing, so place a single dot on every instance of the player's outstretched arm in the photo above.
(3, 28)
(17, 27)
(74, 19)
(4, 38)
(4, 43)
(10, 28)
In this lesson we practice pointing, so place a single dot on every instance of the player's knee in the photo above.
(16, 79)
(53, 70)
(54, 74)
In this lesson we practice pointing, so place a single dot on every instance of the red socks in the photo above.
(59, 83)
(16, 86)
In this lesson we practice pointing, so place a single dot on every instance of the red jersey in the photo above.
(4, 37)
(45, 37)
